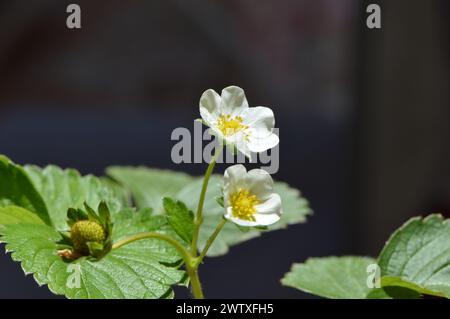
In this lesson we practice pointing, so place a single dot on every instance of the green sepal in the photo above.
(92, 215)
(262, 228)
(220, 201)
(74, 215)
(98, 250)
(65, 241)
(104, 214)
(244, 229)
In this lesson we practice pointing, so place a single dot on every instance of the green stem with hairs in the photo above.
(199, 216)
(211, 240)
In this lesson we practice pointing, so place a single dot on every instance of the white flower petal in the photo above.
(258, 145)
(259, 183)
(241, 143)
(234, 101)
(234, 174)
(266, 219)
(210, 103)
(260, 119)
(233, 180)
(238, 221)
(272, 205)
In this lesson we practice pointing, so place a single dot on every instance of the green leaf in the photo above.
(144, 269)
(122, 194)
(180, 217)
(295, 207)
(396, 288)
(17, 189)
(64, 189)
(414, 262)
(17, 215)
(417, 256)
(333, 277)
(138, 270)
(149, 185)
(132, 222)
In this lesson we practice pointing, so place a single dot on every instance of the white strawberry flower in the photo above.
(249, 129)
(249, 199)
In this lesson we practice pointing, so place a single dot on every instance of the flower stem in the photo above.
(184, 253)
(211, 240)
(199, 216)
(196, 286)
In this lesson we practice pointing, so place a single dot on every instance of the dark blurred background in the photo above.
(363, 114)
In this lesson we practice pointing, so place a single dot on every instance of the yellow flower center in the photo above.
(243, 204)
(230, 125)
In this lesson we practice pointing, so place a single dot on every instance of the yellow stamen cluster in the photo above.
(243, 204)
(230, 125)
